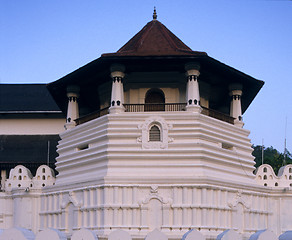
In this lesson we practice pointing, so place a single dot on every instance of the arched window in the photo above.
(154, 100)
(265, 177)
(290, 170)
(276, 184)
(154, 134)
(20, 170)
(44, 170)
(265, 169)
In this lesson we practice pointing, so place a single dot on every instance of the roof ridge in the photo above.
(171, 41)
(134, 38)
(154, 39)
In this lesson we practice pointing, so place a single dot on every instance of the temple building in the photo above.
(30, 123)
(153, 140)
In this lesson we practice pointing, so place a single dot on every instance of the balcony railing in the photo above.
(218, 115)
(149, 107)
(92, 116)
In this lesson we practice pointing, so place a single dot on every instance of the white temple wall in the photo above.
(31, 126)
(6, 211)
(140, 208)
(26, 209)
(173, 209)
(191, 145)
(265, 176)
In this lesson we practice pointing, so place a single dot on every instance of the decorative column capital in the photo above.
(73, 109)
(235, 91)
(117, 74)
(73, 89)
(192, 69)
(117, 97)
(192, 91)
(117, 70)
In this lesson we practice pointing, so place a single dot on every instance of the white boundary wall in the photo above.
(85, 234)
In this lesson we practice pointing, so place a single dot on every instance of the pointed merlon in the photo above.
(154, 14)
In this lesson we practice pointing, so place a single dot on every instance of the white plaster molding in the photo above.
(84, 234)
(193, 234)
(156, 234)
(72, 198)
(119, 235)
(239, 199)
(154, 195)
(17, 234)
(51, 234)
(163, 126)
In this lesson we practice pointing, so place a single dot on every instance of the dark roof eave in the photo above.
(233, 70)
(110, 57)
(30, 112)
(181, 53)
(73, 77)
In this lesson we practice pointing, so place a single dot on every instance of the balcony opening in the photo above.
(154, 100)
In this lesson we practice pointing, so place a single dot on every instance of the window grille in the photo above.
(154, 134)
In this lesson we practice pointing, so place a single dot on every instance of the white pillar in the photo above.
(235, 105)
(117, 97)
(192, 91)
(3, 179)
(73, 109)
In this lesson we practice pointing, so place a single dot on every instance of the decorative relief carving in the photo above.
(164, 127)
(71, 198)
(239, 198)
(154, 195)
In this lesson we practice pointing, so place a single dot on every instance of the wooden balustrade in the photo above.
(149, 107)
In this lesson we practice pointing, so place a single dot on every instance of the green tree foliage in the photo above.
(272, 157)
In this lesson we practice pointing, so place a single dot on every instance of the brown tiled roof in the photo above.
(154, 40)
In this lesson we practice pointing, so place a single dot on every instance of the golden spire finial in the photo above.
(154, 14)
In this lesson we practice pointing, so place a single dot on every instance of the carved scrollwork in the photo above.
(164, 127)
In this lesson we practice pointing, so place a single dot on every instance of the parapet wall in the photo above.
(85, 234)
(266, 176)
(21, 177)
(35, 203)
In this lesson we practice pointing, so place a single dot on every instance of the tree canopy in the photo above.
(272, 157)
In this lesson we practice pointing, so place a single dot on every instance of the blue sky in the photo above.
(41, 41)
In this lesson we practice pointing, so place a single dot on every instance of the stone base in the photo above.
(116, 109)
(194, 108)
